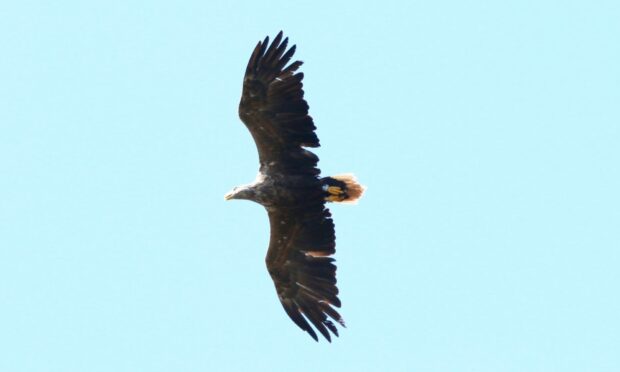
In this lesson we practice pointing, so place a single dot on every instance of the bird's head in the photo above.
(240, 192)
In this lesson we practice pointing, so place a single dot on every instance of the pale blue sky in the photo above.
(487, 133)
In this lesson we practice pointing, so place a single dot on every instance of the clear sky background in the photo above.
(487, 133)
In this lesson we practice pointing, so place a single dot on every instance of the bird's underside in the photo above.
(302, 238)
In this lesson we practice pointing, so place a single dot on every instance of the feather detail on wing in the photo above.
(273, 108)
(303, 273)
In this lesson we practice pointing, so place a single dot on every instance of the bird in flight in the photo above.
(290, 188)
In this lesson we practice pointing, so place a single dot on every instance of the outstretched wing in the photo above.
(274, 110)
(299, 264)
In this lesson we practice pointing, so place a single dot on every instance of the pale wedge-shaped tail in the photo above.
(342, 188)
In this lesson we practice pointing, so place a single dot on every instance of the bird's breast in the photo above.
(288, 191)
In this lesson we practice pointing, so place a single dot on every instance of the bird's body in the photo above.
(281, 190)
(288, 185)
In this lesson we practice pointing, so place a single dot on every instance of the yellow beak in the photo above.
(228, 196)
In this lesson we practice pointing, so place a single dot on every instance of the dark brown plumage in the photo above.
(288, 185)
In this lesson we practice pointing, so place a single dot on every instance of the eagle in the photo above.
(302, 240)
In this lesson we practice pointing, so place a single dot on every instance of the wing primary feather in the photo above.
(332, 313)
(275, 49)
(291, 68)
(253, 58)
(331, 327)
(286, 57)
(320, 294)
(260, 53)
(297, 318)
(316, 318)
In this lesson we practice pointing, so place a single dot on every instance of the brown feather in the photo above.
(300, 278)
(272, 89)
(302, 238)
